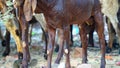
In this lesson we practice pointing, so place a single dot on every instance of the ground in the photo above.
(37, 60)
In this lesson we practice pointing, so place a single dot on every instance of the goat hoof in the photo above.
(108, 49)
(17, 63)
(20, 55)
(115, 45)
(6, 53)
(3, 43)
(45, 56)
(57, 48)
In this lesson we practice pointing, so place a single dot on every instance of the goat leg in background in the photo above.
(12, 29)
(2, 38)
(7, 43)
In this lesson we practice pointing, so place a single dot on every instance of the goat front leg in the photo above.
(66, 47)
(83, 36)
(13, 31)
(7, 43)
(51, 39)
(26, 54)
(60, 44)
(100, 30)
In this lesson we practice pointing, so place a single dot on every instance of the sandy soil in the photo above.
(37, 60)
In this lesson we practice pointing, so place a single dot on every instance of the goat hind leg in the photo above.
(100, 30)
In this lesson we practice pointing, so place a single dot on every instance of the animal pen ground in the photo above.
(37, 59)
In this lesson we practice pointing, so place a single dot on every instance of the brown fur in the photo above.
(61, 14)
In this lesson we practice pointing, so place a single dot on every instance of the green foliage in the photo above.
(9, 3)
(33, 33)
(5, 17)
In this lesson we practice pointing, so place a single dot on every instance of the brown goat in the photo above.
(61, 14)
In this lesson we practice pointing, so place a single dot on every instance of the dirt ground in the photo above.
(37, 60)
